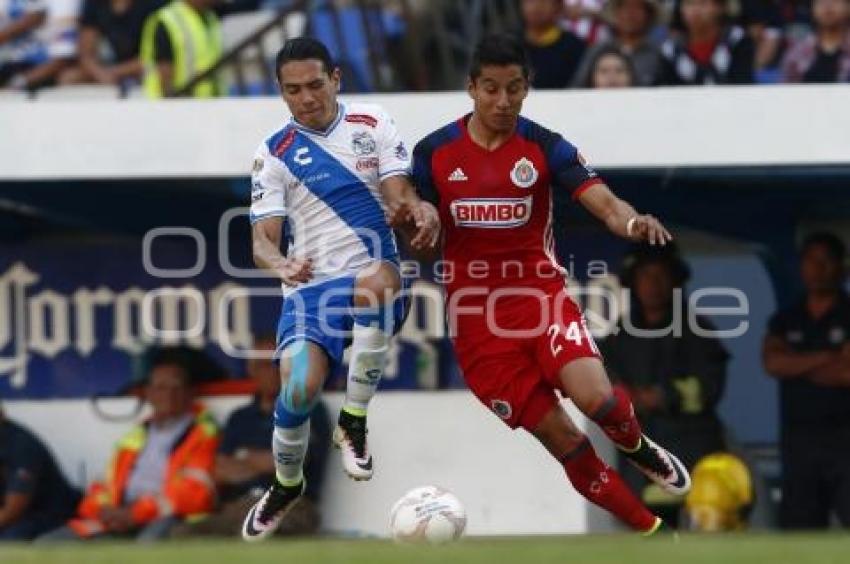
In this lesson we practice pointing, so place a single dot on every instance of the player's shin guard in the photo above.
(603, 486)
(617, 419)
(369, 347)
(289, 446)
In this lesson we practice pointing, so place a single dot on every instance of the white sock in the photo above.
(369, 347)
(290, 447)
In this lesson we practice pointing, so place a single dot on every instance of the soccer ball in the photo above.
(427, 514)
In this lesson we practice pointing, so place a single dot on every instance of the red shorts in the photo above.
(512, 362)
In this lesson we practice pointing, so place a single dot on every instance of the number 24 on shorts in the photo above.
(575, 332)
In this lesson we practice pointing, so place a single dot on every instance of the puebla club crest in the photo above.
(362, 143)
(524, 174)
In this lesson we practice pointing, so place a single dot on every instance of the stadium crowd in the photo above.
(572, 43)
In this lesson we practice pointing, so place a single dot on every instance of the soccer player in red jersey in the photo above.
(494, 176)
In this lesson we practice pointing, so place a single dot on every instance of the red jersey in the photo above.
(496, 206)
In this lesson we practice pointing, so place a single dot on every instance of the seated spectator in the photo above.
(707, 51)
(162, 469)
(34, 495)
(245, 467)
(119, 24)
(37, 41)
(675, 381)
(554, 52)
(807, 349)
(610, 68)
(584, 19)
(179, 42)
(19, 44)
(763, 21)
(633, 21)
(824, 55)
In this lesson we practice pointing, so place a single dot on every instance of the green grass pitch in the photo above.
(599, 549)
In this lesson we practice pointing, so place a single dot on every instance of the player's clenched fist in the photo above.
(648, 228)
(294, 271)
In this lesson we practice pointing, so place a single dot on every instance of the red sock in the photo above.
(618, 421)
(602, 485)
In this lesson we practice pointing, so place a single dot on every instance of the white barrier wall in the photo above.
(624, 128)
(509, 484)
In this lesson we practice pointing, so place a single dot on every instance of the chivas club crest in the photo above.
(524, 174)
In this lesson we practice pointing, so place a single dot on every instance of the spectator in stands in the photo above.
(119, 24)
(632, 22)
(34, 495)
(585, 19)
(610, 68)
(675, 382)
(824, 55)
(708, 51)
(807, 349)
(179, 42)
(554, 52)
(161, 471)
(245, 467)
(763, 21)
(37, 41)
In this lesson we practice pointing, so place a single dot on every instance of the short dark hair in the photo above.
(829, 241)
(303, 49)
(499, 49)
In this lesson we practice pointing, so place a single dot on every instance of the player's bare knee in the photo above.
(376, 285)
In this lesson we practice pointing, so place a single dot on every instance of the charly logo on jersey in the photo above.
(492, 213)
(362, 143)
(524, 174)
(302, 156)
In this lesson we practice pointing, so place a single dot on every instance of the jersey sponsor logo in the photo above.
(284, 143)
(501, 408)
(362, 143)
(491, 212)
(367, 164)
(524, 174)
(363, 119)
(458, 175)
(302, 156)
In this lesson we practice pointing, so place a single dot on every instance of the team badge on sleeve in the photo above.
(362, 143)
(524, 174)
(401, 151)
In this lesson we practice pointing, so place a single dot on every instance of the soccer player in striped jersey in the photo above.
(338, 174)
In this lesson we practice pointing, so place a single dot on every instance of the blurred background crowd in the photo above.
(223, 47)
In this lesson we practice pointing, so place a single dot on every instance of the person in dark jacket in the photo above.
(674, 373)
(35, 497)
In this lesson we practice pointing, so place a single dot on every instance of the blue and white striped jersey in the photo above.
(327, 185)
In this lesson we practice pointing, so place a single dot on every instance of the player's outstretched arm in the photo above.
(621, 218)
(415, 218)
(265, 236)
